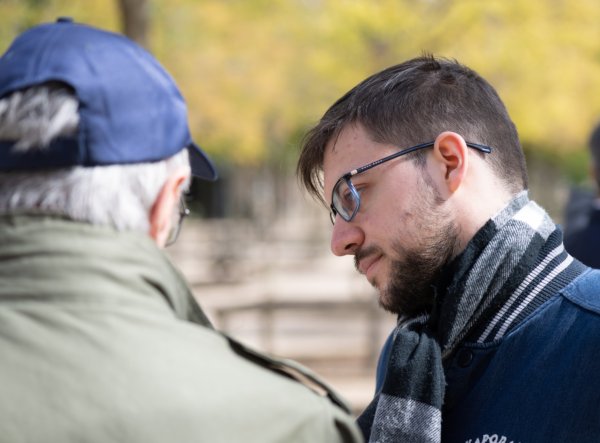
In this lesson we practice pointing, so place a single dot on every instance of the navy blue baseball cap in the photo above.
(130, 108)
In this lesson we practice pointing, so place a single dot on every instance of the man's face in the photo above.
(402, 234)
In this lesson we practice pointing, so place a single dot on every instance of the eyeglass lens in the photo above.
(346, 199)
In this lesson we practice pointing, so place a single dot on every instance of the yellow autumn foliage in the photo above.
(256, 73)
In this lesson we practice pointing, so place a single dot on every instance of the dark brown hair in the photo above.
(413, 103)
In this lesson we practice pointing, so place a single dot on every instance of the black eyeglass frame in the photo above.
(356, 195)
(183, 213)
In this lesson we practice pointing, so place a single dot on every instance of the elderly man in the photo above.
(100, 337)
(499, 326)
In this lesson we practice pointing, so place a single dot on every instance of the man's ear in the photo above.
(452, 155)
(161, 214)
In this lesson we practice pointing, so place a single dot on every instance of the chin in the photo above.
(384, 296)
(373, 282)
(379, 283)
(386, 304)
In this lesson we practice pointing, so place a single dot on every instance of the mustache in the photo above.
(361, 253)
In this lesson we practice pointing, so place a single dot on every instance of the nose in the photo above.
(346, 237)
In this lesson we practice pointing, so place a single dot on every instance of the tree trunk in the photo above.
(135, 20)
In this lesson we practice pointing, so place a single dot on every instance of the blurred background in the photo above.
(257, 73)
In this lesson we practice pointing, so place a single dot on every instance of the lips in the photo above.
(366, 264)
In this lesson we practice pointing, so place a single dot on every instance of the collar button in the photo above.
(464, 358)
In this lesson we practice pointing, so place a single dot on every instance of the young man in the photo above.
(101, 339)
(498, 326)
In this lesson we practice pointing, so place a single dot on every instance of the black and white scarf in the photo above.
(511, 266)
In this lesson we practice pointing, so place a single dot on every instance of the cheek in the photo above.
(402, 229)
(385, 232)
(393, 215)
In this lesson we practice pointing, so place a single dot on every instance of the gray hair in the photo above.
(120, 196)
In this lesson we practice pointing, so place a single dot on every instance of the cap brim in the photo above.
(201, 165)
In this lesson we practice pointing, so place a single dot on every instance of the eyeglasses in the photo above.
(345, 199)
(176, 228)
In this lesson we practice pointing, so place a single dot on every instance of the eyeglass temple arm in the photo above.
(482, 148)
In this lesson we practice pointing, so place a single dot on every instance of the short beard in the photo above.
(410, 290)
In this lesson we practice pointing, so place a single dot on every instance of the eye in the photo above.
(359, 190)
(347, 197)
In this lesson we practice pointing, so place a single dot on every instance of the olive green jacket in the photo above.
(102, 341)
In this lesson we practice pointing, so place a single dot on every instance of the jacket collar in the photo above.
(45, 257)
(514, 263)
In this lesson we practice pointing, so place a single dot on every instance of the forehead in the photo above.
(351, 149)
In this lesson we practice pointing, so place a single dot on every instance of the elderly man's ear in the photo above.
(161, 214)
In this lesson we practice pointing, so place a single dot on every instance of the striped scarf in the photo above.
(511, 266)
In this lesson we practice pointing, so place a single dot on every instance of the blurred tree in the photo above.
(135, 20)
(18, 15)
(256, 73)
